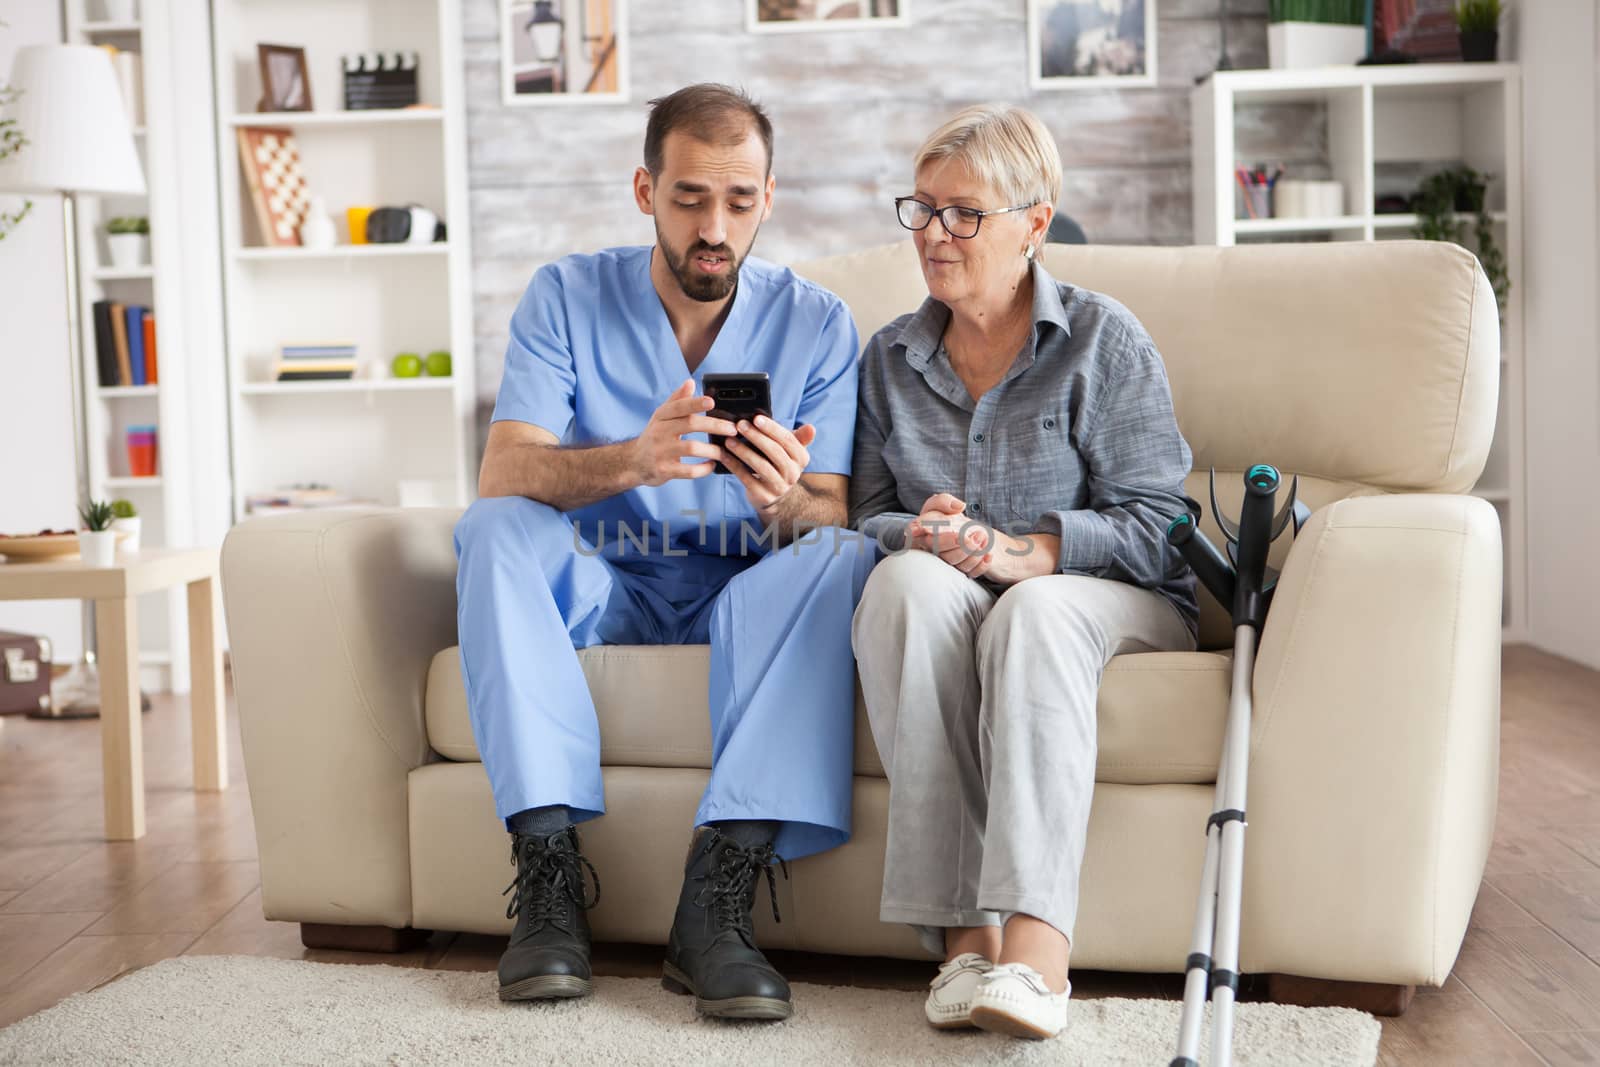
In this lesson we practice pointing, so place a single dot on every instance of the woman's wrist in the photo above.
(1031, 556)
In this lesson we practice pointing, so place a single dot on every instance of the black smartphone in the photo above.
(735, 397)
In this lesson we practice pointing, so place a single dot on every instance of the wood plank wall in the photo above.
(849, 110)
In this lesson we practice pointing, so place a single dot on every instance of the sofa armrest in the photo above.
(1375, 755)
(333, 618)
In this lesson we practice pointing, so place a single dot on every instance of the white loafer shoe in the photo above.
(1013, 999)
(949, 1003)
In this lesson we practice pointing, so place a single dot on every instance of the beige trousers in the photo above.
(983, 710)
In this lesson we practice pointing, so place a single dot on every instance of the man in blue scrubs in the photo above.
(602, 520)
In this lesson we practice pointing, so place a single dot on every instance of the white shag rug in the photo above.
(218, 1010)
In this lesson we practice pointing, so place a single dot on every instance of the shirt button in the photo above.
(977, 509)
(1049, 424)
(978, 437)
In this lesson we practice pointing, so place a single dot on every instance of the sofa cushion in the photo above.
(1161, 714)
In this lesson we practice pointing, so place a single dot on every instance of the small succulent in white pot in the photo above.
(97, 541)
(126, 523)
(128, 238)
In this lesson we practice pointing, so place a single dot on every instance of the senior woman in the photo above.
(1017, 455)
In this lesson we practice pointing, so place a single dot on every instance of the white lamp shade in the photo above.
(70, 109)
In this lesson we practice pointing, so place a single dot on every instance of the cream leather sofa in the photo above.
(1368, 370)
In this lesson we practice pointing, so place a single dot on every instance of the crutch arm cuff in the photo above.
(1225, 815)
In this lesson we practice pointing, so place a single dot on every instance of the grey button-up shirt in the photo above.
(1078, 440)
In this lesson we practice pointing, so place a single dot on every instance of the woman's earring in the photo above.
(1027, 251)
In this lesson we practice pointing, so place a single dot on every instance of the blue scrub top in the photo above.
(592, 355)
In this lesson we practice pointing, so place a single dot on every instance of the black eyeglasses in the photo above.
(957, 221)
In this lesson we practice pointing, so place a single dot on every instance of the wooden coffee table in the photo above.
(115, 591)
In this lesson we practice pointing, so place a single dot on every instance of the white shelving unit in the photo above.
(1386, 128)
(163, 501)
(367, 435)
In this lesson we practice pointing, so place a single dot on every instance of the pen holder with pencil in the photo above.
(1255, 191)
(1255, 202)
(1262, 195)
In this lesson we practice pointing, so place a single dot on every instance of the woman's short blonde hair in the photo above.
(1004, 146)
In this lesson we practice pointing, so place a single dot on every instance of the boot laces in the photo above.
(549, 880)
(729, 892)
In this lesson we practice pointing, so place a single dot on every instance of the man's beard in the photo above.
(696, 285)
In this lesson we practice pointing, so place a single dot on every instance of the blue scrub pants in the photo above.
(782, 688)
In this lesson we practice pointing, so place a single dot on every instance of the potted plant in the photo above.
(128, 237)
(126, 523)
(1479, 24)
(97, 541)
(12, 141)
(1316, 33)
(1439, 202)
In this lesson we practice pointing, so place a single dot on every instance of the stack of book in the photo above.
(125, 343)
(302, 496)
(304, 363)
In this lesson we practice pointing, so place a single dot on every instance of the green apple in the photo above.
(407, 365)
(438, 364)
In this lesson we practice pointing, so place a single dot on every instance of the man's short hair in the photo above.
(710, 113)
(1003, 146)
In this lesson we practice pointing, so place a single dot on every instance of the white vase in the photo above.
(129, 251)
(317, 231)
(1290, 199)
(97, 548)
(119, 10)
(1308, 45)
(130, 529)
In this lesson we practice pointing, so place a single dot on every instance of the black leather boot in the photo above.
(711, 952)
(549, 951)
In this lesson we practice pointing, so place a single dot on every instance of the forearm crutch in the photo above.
(1245, 588)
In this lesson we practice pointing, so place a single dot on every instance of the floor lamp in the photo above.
(79, 141)
(1223, 62)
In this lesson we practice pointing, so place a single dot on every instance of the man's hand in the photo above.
(768, 460)
(656, 455)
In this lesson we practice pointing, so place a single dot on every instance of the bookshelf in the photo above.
(1383, 128)
(369, 436)
(174, 138)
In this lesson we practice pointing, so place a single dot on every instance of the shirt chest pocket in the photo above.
(1041, 470)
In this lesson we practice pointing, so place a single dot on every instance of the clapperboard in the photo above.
(375, 80)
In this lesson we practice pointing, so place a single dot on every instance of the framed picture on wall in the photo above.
(1423, 29)
(799, 16)
(1091, 44)
(563, 51)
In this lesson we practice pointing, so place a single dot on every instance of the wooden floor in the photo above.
(76, 912)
